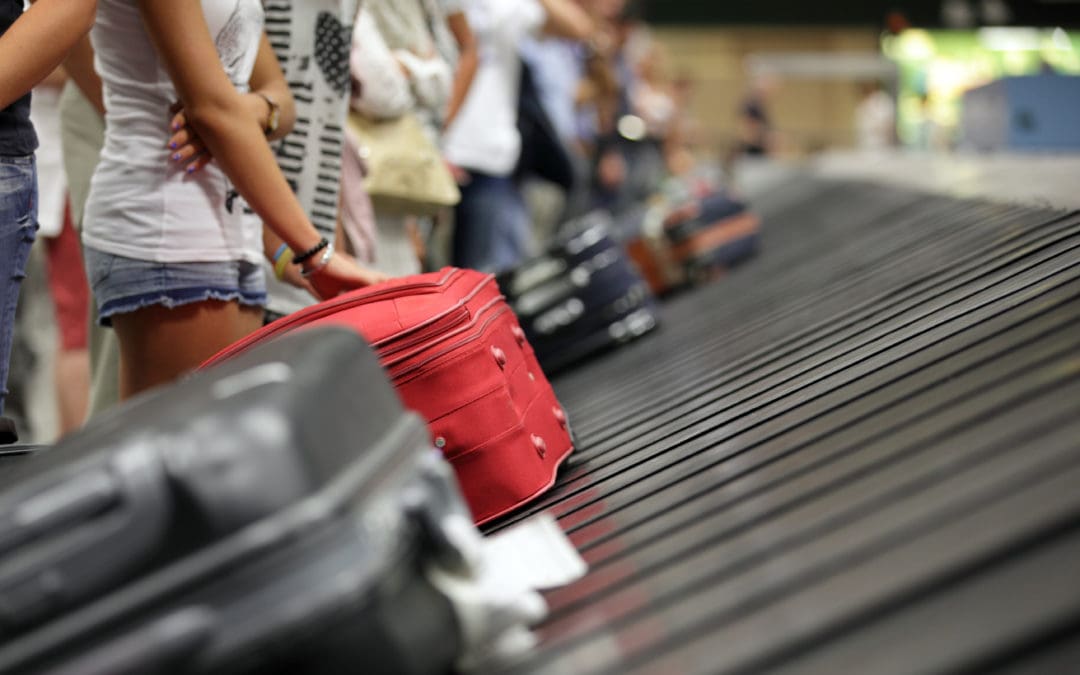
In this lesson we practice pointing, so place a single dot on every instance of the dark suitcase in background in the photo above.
(273, 514)
(583, 295)
(710, 235)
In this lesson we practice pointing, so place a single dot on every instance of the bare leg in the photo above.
(158, 344)
(72, 375)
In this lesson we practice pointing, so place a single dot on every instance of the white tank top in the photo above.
(143, 205)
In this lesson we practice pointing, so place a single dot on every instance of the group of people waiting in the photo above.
(213, 176)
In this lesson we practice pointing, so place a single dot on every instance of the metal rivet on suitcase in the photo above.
(532, 377)
(560, 416)
(440, 442)
(519, 335)
(500, 356)
(540, 445)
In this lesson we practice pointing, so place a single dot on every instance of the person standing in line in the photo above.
(491, 224)
(399, 71)
(82, 133)
(66, 278)
(457, 44)
(32, 45)
(173, 260)
(311, 39)
(875, 119)
(757, 137)
(416, 56)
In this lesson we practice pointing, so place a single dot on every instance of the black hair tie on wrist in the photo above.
(310, 253)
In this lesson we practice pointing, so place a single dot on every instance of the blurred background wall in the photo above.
(821, 58)
(810, 113)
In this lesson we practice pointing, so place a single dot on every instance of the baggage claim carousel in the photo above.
(859, 452)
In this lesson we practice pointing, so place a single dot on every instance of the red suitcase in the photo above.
(457, 356)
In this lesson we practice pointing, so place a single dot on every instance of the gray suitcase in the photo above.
(245, 520)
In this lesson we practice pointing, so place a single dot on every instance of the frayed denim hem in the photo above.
(177, 298)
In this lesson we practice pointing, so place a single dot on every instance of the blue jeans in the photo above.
(491, 225)
(18, 227)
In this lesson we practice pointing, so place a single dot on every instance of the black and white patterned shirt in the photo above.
(312, 39)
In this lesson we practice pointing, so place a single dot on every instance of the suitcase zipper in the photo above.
(451, 348)
(466, 325)
(424, 332)
(432, 326)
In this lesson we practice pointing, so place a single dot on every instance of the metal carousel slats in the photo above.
(831, 302)
(724, 372)
(857, 453)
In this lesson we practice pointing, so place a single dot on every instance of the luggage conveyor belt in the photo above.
(858, 453)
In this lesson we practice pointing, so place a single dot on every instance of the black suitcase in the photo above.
(245, 520)
(581, 296)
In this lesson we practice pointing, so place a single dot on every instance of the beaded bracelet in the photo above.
(310, 253)
(323, 262)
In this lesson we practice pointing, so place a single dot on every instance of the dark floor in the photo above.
(859, 452)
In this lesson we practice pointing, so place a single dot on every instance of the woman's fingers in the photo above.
(181, 138)
(179, 119)
(193, 156)
(200, 161)
(187, 149)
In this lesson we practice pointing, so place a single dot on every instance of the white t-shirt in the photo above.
(143, 205)
(312, 39)
(484, 136)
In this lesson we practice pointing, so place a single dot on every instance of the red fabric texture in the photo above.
(68, 286)
(458, 357)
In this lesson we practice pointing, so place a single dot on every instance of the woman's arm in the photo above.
(383, 89)
(266, 82)
(38, 42)
(55, 80)
(567, 19)
(468, 61)
(218, 114)
(80, 67)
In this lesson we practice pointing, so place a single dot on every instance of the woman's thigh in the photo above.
(170, 317)
(159, 344)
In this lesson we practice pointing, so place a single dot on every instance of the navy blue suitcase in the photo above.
(245, 520)
(711, 235)
(582, 296)
(681, 225)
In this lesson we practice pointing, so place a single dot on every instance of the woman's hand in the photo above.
(461, 176)
(342, 274)
(294, 277)
(185, 145)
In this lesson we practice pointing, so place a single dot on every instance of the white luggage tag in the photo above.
(500, 599)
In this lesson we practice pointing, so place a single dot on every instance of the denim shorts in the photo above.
(121, 285)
